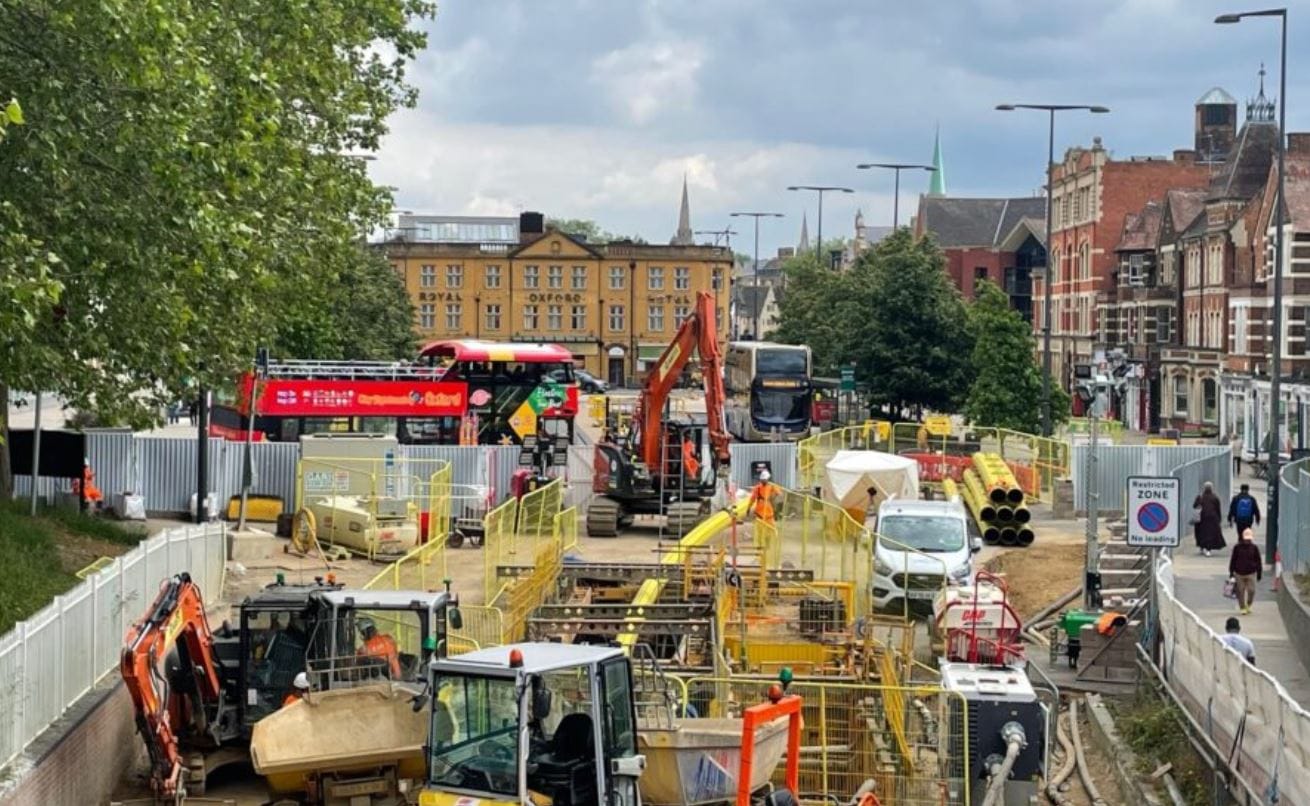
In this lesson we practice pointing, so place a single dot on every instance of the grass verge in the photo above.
(1156, 732)
(38, 555)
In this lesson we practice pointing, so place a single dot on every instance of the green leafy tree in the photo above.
(906, 327)
(180, 166)
(589, 230)
(818, 308)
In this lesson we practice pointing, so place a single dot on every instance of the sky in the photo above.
(598, 108)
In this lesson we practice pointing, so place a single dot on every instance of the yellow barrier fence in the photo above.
(498, 545)
(912, 740)
(566, 529)
(423, 567)
(483, 626)
(1036, 462)
(812, 453)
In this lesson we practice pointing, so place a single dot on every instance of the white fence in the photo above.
(50, 660)
(1245, 711)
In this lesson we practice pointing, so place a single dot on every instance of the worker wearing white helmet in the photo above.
(762, 494)
(300, 687)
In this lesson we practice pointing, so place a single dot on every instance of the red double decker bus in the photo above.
(456, 392)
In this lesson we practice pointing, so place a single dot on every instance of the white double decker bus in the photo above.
(769, 391)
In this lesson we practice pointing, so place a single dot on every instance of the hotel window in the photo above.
(579, 278)
(579, 317)
(454, 276)
(680, 313)
(655, 278)
(616, 278)
(453, 315)
(531, 277)
(655, 318)
(554, 317)
(493, 317)
(1180, 395)
(427, 276)
(493, 277)
(427, 316)
(555, 277)
(529, 317)
(716, 280)
(616, 317)
(681, 278)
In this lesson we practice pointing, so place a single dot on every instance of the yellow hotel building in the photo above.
(615, 306)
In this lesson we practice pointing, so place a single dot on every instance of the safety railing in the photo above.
(498, 545)
(913, 741)
(565, 529)
(483, 626)
(812, 453)
(1294, 516)
(1036, 462)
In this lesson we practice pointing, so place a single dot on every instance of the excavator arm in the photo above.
(697, 332)
(176, 618)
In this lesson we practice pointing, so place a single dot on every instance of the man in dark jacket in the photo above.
(1245, 569)
(1243, 510)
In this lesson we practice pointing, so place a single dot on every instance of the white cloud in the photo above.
(648, 79)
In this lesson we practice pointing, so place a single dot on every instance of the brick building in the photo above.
(987, 239)
(1092, 195)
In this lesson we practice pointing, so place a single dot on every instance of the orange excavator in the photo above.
(655, 469)
(178, 613)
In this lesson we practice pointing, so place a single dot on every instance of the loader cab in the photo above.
(533, 723)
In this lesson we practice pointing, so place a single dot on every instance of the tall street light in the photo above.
(1276, 362)
(1051, 109)
(755, 273)
(821, 189)
(897, 167)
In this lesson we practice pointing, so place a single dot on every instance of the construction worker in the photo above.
(379, 646)
(761, 500)
(690, 464)
(299, 688)
(87, 483)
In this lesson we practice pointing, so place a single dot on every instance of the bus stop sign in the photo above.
(847, 379)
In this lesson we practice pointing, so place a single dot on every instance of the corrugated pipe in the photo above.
(1083, 773)
(1053, 793)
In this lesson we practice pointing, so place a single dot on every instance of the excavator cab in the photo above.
(533, 723)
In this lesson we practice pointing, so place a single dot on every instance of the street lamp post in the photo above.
(1051, 109)
(896, 167)
(821, 189)
(1276, 356)
(632, 317)
(755, 272)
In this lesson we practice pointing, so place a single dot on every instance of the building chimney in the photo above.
(530, 226)
(1185, 156)
(1298, 142)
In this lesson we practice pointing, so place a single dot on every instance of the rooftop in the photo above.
(1185, 204)
(1244, 172)
(1141, 230)
(750, 300)
(1216, 95)
(537, 657)
(957, 222)
(423, 228)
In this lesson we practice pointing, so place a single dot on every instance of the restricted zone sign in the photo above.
(1154, 511)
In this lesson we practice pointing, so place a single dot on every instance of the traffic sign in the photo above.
(1154, 511)
(938, 425)
(847, 379)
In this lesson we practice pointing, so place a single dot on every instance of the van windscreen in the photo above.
(923, 532)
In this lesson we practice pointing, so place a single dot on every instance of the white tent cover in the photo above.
(852, 473)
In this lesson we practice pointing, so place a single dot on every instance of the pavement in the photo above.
(1198, 583)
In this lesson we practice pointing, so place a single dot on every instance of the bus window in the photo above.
(376, 425)
(326, 425)
(780, 362)
(560, 373)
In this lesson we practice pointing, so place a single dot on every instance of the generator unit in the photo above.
(1002, 707)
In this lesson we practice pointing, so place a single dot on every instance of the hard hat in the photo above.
(765, 475)
(301, 682)
(366, 624)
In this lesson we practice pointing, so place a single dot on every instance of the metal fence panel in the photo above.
(1294, 515)
(275, 469)
(1115, 463)
(114, 459)
(50, 660)
(781, 457)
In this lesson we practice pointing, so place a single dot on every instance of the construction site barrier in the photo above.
(424, 567)
(913, 741)
(813, 453)
(483, 626)
(498, 545)
(1036, 462)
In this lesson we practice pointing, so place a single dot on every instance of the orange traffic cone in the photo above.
(1278, 569)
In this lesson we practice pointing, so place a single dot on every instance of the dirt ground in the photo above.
(1039, 574)
(1100, 767)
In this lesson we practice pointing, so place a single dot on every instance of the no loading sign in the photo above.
(1153, 505)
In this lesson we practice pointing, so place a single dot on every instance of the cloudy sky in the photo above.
(597, 108)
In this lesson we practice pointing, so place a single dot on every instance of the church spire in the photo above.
(937, 184)
(684, 235)
(804, 245)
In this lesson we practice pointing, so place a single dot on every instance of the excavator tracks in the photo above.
(603, 516)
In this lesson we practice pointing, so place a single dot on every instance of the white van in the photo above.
(921, 541)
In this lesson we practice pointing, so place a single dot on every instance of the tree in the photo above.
(1007, 389)
(180, 166)
(907, 335)
(588, 230)
(818, 308)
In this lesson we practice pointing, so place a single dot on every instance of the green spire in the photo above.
(937, 183)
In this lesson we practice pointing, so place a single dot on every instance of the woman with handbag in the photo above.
(1245, 569)
(1209, 520)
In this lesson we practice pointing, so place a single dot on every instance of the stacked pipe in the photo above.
(990, 534)
(996, 501)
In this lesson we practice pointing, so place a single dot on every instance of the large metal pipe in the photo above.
(1021, 514)
(1025, 536)
(1009, 536)
(997, 478)
(984, 509)
(1004, 514)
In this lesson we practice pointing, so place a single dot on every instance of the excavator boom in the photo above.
(177, 618)
(697, 332)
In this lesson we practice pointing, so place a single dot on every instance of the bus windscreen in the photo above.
(781, 362)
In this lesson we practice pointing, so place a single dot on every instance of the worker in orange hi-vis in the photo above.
(761, 500)
(300, 687)
(93, 494)
(380, 646)
(690, 464)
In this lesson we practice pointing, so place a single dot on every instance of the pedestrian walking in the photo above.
(193, 411)
(1245, 569)
(1234, 640)
(1207, 515)
(1244, 510)
(1236, 444)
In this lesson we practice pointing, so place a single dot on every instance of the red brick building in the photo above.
(1092, 194)
(987, 239)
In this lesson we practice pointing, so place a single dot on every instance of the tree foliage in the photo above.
(588, 230)
(1007, 389)
(818, 308)
(181, 169)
